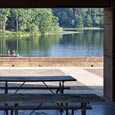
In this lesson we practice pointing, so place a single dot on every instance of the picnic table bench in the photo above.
(43, 79)
(15, 102)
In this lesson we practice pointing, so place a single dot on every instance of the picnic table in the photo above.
(43, 79)
(14, 102)
(63, 102)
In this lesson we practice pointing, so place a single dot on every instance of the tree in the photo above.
(79, 17)
(79, 22)
(45, 20)
(88, 21)
(3, 18)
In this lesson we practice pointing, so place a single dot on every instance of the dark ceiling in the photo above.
(55, 3)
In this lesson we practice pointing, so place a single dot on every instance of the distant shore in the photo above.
(83, 28)
(77, 30)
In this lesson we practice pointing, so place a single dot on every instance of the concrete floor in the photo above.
(89, 80)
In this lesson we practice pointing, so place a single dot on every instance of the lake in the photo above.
(88, 43)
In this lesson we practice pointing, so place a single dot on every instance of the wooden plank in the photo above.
(36, 78)
(49, 98)
(44, 107)
(37, 88)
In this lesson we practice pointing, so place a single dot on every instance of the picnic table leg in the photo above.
(61, 113)
(67, 109)
(61, 87)
(47, 87)
(16, 109)
(35, 109)
(83, 111)
(19, 87)
(6, 111)
(11, 112)
(6, 87)
(72, 113)
(6, 92)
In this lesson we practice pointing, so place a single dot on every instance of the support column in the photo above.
(109, 81)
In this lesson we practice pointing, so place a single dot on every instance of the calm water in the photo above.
(87, 43)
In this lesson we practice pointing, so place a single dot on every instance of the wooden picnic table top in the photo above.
(36, 78)
(49, 98)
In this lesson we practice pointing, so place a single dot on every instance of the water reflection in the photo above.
(87, 43)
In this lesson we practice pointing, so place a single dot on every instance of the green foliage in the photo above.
(3, 18)
(47, 20)
(79, 17)
(34, 20)
(88, 21)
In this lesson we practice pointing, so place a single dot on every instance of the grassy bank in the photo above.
(11, 35)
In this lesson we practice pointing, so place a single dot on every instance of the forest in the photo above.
(79, 17)
(28, 20)
(44, 20)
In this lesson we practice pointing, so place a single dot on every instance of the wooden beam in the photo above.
(55, 3)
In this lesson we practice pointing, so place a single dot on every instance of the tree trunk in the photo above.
(16, 24)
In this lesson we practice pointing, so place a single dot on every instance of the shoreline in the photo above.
(84, 28)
